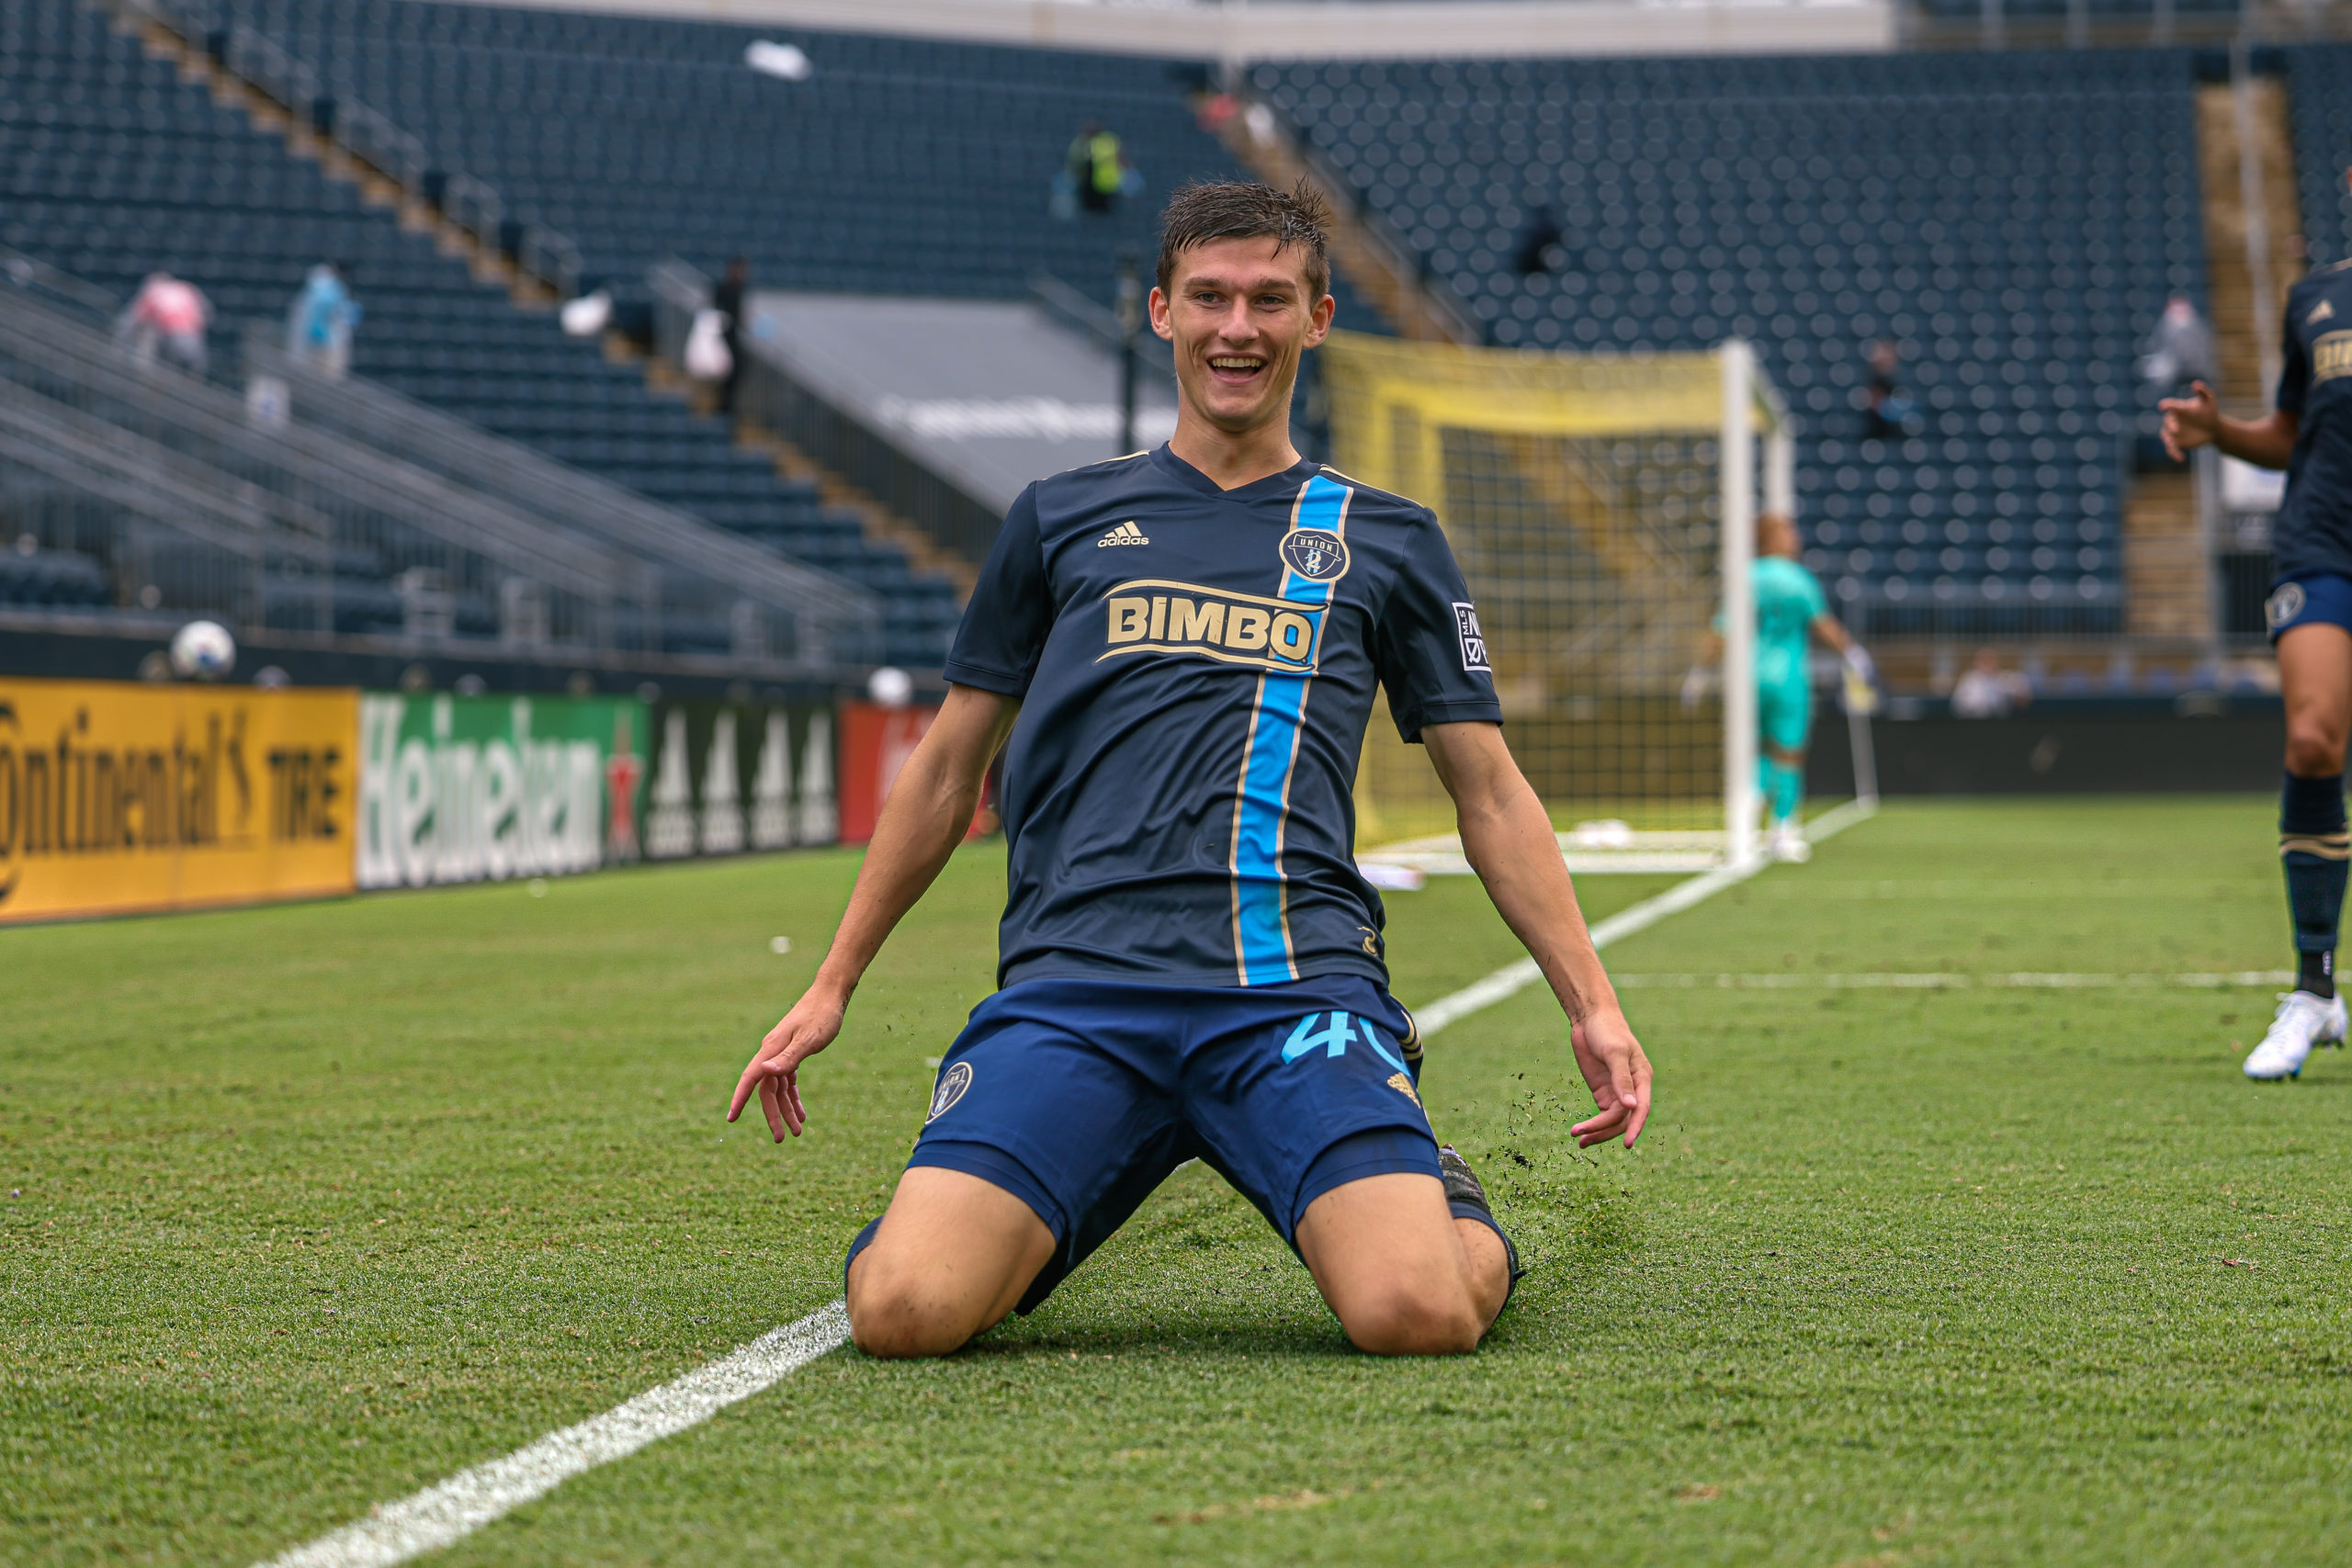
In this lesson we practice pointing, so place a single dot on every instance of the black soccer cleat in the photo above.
(1461, 1183)
(1465, 1195)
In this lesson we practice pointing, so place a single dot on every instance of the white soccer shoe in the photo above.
(1786, 843)
(2304, 1020)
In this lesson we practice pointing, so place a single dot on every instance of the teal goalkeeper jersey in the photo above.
(1787, 599)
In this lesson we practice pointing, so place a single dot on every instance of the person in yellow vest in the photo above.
(1098, 168)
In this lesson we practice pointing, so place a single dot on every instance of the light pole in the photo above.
(1130, 331)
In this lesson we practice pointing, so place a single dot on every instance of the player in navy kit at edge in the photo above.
(1177, 651)
(2309, 433)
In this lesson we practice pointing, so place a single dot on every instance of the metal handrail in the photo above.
(1397, 254)
(566, 496)
(550, 255)
(179, 451)
(473, 206)
(215, 420)
(679, 289)
(366, 133)
(32, 273)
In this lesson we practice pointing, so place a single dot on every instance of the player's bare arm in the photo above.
(1509, 842)
(2197, 421)
(930, 808)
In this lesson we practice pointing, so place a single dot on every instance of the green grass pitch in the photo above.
(309, 1207)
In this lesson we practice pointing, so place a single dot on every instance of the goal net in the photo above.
(1603, 510)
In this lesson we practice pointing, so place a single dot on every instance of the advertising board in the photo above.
(122, 796)
(735, 776)
(465, 789)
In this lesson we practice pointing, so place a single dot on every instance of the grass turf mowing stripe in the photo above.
(435, 1517)
(1937, 982)
(1513, 978)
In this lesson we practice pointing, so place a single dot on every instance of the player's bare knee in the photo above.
(895, 1313)
(2315, 749)
(1413, 1323)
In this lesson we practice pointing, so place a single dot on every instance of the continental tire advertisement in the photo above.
(735, 776)
(117, 798)
(467, 789)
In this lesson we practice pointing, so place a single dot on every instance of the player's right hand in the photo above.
(2190, 422)
(774, 1071)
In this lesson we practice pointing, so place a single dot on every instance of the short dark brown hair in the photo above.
(1204, 211)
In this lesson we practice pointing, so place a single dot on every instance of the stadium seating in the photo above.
(2320, 105)
(111, 166)
(2015, 220)
(53, 580)
(897, 165)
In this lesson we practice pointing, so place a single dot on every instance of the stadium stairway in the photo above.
(890, 165)
(2015, 220)
(1364, 251)
(114, 163)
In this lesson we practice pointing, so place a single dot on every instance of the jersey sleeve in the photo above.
(2295, 369)
(1816, 602)
(1431, 652)
(1003, 632)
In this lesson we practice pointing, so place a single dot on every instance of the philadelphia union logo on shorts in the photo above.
(1316, 554)
(952, 1085)
(2284, 605)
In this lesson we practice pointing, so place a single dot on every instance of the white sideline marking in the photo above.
(394, 1532)
(1513, 978)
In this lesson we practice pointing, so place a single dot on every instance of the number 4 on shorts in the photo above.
(1335, 1035)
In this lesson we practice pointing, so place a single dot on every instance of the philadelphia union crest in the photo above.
(952, 1085)
(1316, 554)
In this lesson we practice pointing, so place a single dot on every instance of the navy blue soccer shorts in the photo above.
(2315, 599)
(1080, 1097)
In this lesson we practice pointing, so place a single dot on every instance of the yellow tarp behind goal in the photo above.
(1583, 495)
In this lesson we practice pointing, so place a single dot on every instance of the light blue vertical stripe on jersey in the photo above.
(1260, 935)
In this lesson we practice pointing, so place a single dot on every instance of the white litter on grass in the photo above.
(779, 944)
(1513, 978)
(394, 1532)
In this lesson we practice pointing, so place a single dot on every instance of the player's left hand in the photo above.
(774, 1070)
(1617, 1072)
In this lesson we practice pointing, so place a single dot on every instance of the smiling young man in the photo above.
(1181, 648)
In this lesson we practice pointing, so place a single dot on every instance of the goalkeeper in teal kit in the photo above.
(1790, 612)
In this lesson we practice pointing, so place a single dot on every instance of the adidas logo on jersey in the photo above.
(1125, 533)
(2321, 312)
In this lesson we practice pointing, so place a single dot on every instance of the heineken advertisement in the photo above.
(735, 776)
(463, 789)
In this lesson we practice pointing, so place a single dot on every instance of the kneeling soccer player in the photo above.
(1180, 648)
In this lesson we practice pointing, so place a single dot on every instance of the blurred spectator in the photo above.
(318, 327)
(1095, 172)
(168, 315)
(1985, 690)
(728, 300)
(1888, 412)
(1536, 236)
(2180, 349)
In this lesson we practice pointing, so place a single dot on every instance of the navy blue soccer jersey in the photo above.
(1196, 668)
(2313, 532)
